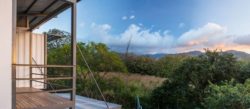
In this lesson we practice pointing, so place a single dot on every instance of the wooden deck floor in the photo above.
(41, 100)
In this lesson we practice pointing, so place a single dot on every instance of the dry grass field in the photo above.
(149, 82)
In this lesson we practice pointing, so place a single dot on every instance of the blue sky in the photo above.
(161, 26)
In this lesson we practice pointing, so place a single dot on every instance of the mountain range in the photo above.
(238, 54)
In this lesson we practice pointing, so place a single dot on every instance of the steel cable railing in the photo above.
(41, 71)
(93, 77)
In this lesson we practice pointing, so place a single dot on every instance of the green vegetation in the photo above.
(162, 67)
(118, 87)
(100, 58)
(211, 80)
(141, 65)
(228, 95)
(186, 87)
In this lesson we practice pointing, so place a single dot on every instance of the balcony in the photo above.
(33, 85)
(31, 98)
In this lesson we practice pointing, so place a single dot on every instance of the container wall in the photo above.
(6, 56)
(23, 57)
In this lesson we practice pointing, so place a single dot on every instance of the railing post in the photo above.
(30, 59)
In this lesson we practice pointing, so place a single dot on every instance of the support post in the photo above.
(73, 48)
(14, 14)
(45, 59)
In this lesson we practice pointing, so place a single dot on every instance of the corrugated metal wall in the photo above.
(23, 53)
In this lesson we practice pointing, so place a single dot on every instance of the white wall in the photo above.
(38, 55)
(23, 54)
(5, 53)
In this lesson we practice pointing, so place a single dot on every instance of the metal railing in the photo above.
(45, 77)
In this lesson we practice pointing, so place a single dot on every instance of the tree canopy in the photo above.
(186, 87)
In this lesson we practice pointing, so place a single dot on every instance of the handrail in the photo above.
(50, 83)
(43, 77)
(59, 78)
(52, 91)
(50, 75)
(43, 66)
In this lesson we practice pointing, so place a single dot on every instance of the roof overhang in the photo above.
(37, 12)
(71, 1)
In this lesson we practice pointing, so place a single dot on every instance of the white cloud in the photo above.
(208, 36)
(140, 24)
(213, 36)
(103, 27)
(82, 24)
(145, 40)
(243, 40)
(132, 17)
(99, 33)
(181, 25)
(202, 35)
(124, 17)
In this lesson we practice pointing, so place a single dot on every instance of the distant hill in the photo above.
(160, 55)
(156, 56)
(238, 54)
(191, 53)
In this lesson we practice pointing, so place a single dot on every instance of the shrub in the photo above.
(244, 72)
(142, 65)
(169, 64)
(185, 89)
(114, 89)
(229, 95)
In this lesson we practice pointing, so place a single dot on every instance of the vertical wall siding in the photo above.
(23, 53)
(22, 58)
(38, 56)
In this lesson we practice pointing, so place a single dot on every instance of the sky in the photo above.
(161, 26)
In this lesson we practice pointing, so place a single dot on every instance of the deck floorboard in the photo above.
(41, 100)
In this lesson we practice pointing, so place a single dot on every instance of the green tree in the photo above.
(185, 89)
(100, 58)
(169, 64)
(244, 72)
(228, 95)
(142, 65)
